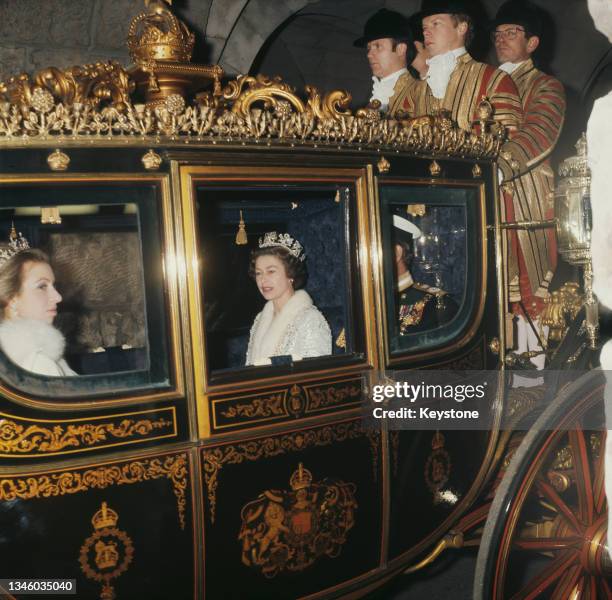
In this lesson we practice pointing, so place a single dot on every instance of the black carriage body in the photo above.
(169, 469)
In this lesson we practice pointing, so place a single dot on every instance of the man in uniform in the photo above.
(388, 38)
(455, 82)
(527, 175)
(420, 306)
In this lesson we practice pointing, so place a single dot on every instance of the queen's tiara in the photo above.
(15, 245)
(271, 238)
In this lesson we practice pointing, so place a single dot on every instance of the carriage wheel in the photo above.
(547, 527)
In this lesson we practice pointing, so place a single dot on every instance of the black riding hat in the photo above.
(519, 12)
(437, 7)
(384, 24)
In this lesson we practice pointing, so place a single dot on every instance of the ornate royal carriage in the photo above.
(170, 470)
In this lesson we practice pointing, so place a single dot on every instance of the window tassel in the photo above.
(241, 236)
(50, 215)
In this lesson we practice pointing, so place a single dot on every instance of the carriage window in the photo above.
(90, 304)
(430, 264)
(290, 303)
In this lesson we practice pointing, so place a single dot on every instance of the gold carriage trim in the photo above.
(234, 454)
(294, 401)
(61, 108)
(93, 102)
(23, 437)
(288, 530)
(51, 485)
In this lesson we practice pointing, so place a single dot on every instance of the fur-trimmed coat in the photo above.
(35, 346)
(299, 330)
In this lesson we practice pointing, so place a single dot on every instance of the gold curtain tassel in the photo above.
(50, 215)
(241, 235)
(341, 339)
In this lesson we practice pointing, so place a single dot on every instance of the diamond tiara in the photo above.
(284, 240)
(15, 245)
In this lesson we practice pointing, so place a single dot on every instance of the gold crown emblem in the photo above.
(302, 478)
(159, 35)
(284, 240)
(105, 517)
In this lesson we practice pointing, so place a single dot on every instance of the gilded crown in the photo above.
(16, 244)
(159, 35)
(105, 517)
(302, 478)
(284, 240)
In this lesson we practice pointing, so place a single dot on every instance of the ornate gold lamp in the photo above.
(573, 214)
(161, 47)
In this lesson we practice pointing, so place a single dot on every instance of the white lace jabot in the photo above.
(440, 70)
(509, 67)
(382, 89)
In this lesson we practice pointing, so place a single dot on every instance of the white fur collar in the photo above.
(271, 328)
(22, 337)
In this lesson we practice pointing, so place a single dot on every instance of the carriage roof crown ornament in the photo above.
(161, 46)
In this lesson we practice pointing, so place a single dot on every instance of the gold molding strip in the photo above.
(51, 485)
(291, 401)
(24, 438)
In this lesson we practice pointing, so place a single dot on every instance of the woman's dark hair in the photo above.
(11, 275)
(294, 268)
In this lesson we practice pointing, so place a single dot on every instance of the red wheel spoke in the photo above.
(570, 581)
(605, 588)
(582, 468)
(547, 576)
(592, 587)
(557, 501)
(544, 544)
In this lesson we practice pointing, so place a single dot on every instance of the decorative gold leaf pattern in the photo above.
(234, 454)
(52, 485)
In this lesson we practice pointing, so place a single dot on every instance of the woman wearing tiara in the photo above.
(289, 324)
(28, 306)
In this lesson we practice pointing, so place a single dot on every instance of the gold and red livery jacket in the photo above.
(529, 185)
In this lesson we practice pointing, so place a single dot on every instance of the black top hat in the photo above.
(519, 12)
(384, 24)
(437, 7)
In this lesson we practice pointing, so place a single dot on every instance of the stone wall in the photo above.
(40, 33)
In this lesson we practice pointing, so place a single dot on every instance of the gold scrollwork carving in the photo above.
(245, 90)
(16, 438)
(288, 530)
(321, 397)
(51, 485)
(214, 459)
(78, 86)
(248, 109)
(270, 406)
(332, 106)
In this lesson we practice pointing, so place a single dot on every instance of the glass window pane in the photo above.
(102, 291)
(291, 334)
(431, 275)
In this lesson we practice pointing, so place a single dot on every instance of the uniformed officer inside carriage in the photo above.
(420, 306)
